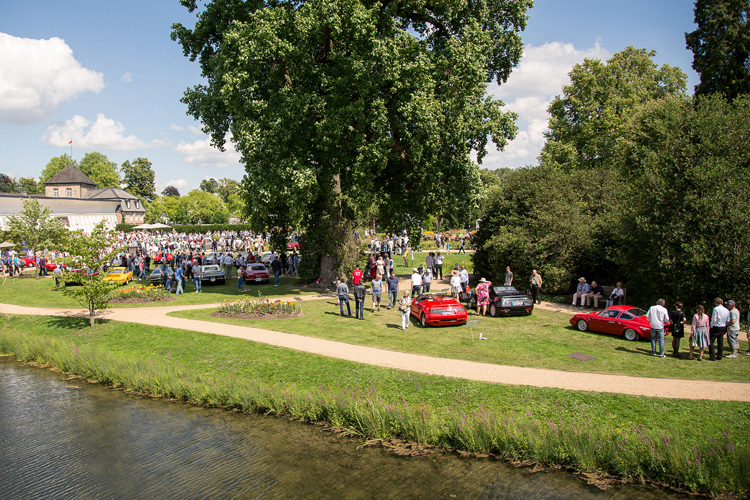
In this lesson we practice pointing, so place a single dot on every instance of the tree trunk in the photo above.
(328, 271)
(92, 312)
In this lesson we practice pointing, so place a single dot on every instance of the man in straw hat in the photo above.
(582, 291)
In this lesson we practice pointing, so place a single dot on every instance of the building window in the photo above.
(69, 192)
(127, 203)
(137, 203)
(55, 192)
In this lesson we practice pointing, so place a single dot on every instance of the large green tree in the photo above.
(100, 169)
(37, 226)
(198, 206)
(721, 47)
(54, 166)
(139, 178)
(209, 185)
(589, 117)
(687, 205)
(341, 104)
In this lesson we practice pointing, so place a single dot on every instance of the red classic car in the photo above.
(256, 273)
(157, 257)
(27, 261)
(627, 321)
(438, 309)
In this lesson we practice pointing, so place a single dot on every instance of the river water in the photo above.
(67, 440)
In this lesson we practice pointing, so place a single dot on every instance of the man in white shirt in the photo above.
(416, 283)
(439, 266)
(463, 274)
(719, 321)
(658, 316)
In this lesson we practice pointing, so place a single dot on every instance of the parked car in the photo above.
(292, 245)
(51, 266)
(267, 257)
(27, 261)
(627, 321)
(82, 273)
(438, 309)
(256, 273)
(211, 258)
(158, 257)
(119, 275)
(155, 276)
(213, 274)
(505, 301)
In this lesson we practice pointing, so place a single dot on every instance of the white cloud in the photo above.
(178, 183)
(195, 130)
(176, 127)
(127, 77)
(105, 133)
(201, 153)
(539, 77)
(37, 75)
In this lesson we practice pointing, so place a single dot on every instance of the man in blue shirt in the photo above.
(392, 283)
(276, 267)
(581, 291)
(178, 279)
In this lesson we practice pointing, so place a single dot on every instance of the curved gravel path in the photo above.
(470, 370)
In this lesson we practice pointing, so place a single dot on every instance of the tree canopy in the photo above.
(339, 105)
(590, 115)
(171, 191)
(139, 178)
(721, 47)
(37, 226)
(100, 170)
(54, 166)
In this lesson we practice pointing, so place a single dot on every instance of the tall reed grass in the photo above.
(713, 464)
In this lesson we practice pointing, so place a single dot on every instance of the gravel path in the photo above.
(482, 372)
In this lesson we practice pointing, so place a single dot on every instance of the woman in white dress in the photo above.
(404, 307)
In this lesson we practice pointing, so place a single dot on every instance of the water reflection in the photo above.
(67, 439)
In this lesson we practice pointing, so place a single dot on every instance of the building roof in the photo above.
(70, 174)
(113, 193)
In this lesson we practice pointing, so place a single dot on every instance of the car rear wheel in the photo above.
(582, 325)
(630, 334)
(493, 310)
(424, 320)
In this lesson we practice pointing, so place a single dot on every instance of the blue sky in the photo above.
(107, 74)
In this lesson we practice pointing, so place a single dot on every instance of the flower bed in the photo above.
(258, 309)
(139, 293)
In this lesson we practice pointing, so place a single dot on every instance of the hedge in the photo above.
(194, 228)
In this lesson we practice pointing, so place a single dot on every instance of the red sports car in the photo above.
(157, 257)
(628, 321)
(256, 273)
(27, 261)
(438, 309)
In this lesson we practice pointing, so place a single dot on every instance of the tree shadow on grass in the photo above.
(72, 322)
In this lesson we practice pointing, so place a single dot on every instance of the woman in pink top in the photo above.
(699, 334)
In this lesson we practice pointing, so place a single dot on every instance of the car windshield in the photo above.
(432, 297)
(210, 268)
(637, 312)
(257, 268)
(500, 290)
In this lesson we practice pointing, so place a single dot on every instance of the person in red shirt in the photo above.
(357, 275)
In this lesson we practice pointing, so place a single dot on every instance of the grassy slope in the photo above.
(214, 356)
(518, 341)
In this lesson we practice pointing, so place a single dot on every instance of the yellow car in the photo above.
(119, 275)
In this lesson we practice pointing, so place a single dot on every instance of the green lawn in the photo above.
(41, 292)
(530, 341)
(450, 260)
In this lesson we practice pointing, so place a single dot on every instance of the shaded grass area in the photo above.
(530, 341)
(632, 437)
(42, 293)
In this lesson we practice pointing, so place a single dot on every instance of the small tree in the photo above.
(36, 225)
(89, 253)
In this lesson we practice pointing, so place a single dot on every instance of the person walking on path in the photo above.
(677, 327)
(719, 320)
(483, 295)
(276, 267)
(658, 316)
(377, 290)
(733, 329)
(536, 286)
(178, 280)
(392, 283)
(359, 301)
(343, 292)
(197, 276)
(699, 336)
(404, 307)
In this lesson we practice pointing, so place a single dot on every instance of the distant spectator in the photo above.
(426, 279)
(658, 316)
(536, 286)
(595, 295)
(404, 307)
(464, 275)
(733, 329)
(582, 291)
(359, 301)
(615, 295)
(677, 327)
(377, 290)
(699, 336)
(356, 275)
(416, 283)
(508, 277)
(392, 283)
(747, 301)
(719, 320)
(343, 292)
(483, 295)
(439, 265)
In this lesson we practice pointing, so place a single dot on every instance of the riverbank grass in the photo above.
(542, 340)
(643, 439)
